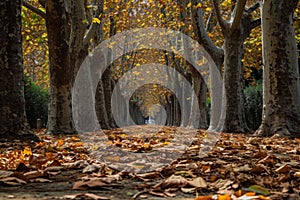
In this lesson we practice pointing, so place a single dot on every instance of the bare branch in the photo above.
(211, 22)
(255, 23)
(252, 8)
(89, 34)
(238, 13)
(199, 29)
(34, 9)
(221, 21)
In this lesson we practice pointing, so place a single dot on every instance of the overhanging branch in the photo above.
(218, 14)
(238, 13)
(34, 9)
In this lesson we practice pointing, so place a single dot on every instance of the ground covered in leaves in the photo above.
(66, 167)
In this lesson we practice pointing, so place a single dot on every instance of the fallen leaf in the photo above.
(245, 197)
(60, 142)
(188, 190)
(96, 197)
(172, 182)
(33, 174)
(297, 174)
(198, 182)
(27, 151)
(204, 198)
(283, 169)
(41, 180)
(259, 190)
(224, 197)
(84, 185)
(12, 181)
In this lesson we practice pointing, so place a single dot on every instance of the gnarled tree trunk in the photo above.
(281, 109)
(13, 123)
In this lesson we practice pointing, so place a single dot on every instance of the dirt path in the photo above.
(59, 167)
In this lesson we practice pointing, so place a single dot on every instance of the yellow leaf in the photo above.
(189, 5)
(60, 143)
(44, 35)
(96, 20)
(208, 9)
(224, 197)
(199, 5)
(27, 151)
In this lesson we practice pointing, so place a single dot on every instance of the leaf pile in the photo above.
(239, 167)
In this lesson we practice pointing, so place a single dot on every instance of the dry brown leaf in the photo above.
(84, 185)
(198, 182)
(172, 182)
(297, 174)
(41, 180)
(96, 197)
(260, 154)
(33, 174)
(13, 181)
(258, 169)
(188, 190)
(283, 169)
(204, 198)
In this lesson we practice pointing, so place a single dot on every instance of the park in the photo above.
(150, 99)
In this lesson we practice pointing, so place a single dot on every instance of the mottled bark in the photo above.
(13, 123)
(235, 32)
(281, 100)
(233, 107)
(61, 70)
(68, 40)
(217, 55)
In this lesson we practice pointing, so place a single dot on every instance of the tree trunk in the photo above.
(281, 110)
(217, 55)
(61, 71)
(13, 122)
(66, 30)
(232, 117)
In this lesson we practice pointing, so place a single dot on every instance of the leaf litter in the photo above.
(239, 166)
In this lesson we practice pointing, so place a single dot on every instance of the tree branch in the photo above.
(238, 13)
(89, 34)
(34, 9)
(202, 37)
(252, 8)
(255, 23)
(221, 21)
(211, 22)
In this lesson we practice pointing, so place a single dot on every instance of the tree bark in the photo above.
(61, 70)
(281, 100)
(13, 122)
(232, 117)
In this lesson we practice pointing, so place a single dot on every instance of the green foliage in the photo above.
(253, 105)
(36, 103)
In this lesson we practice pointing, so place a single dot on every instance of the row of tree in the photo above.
(73, 27)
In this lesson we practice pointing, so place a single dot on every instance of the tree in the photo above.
(13, 122)
(235, 30)
(70, 26)
(281, 97)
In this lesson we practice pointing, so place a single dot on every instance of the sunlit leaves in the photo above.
(35, 48)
